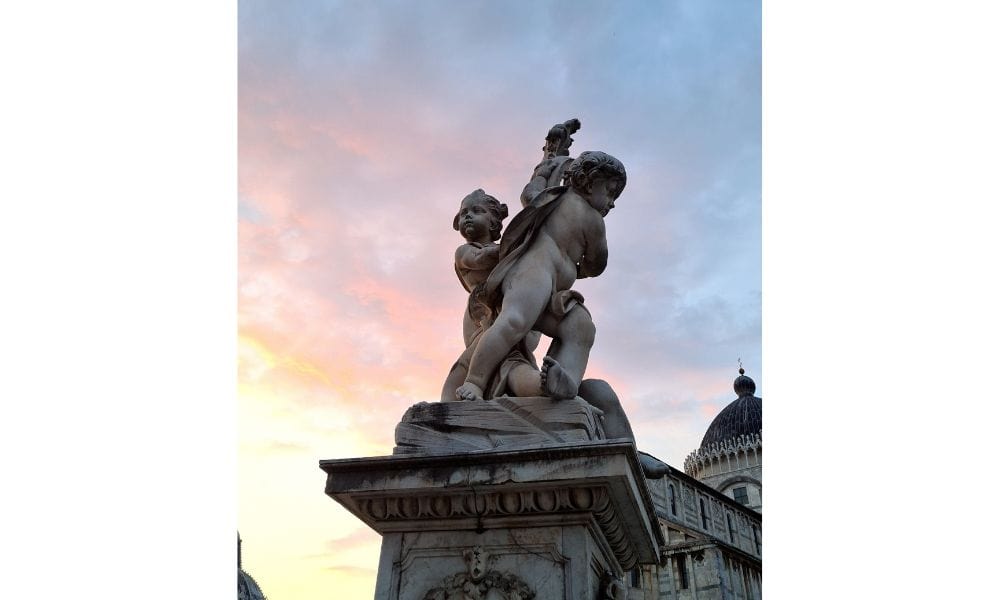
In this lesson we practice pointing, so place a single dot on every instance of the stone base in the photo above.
(545, 523)
(502, 423)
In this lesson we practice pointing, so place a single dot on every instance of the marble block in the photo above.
(500, 423)
(547, 523)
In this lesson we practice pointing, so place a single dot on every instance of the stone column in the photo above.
(546, 523)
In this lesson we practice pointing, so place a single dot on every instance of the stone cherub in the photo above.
(479, 582)
(558, 238)
(479, 221)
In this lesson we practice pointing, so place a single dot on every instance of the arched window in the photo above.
(729, 522)
(704, 515)
(673, 499)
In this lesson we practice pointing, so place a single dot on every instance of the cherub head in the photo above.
(597, 176)
(558, 140)
(475, 562)
(480, 217)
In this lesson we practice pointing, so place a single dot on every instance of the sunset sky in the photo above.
(362, 126)
(126, 327)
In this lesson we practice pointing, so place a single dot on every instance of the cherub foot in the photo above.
(556, 382)
(469, 392)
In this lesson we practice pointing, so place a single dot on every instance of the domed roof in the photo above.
(741, 417)
(246, 586)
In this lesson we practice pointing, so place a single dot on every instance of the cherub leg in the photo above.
(556, 382)
(456, 376)
(522, 305)
(523, 380)
(573, 337)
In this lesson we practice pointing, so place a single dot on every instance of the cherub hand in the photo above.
(546, 167)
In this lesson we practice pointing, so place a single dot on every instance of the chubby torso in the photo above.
(574, 232)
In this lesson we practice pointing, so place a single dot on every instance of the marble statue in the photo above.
(479, 221)
(518, 288)
(558, 238)
(524, 482)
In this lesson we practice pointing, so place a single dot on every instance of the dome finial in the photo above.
(740, 361)
(744, 386)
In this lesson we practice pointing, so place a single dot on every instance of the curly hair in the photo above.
(497, 210)
(589, 165)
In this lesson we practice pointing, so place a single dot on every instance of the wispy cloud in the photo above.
(361, 127)
(351, 569)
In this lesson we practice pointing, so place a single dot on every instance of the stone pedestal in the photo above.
(546, 523)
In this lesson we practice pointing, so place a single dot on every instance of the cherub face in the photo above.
(474, 220)
(603, 191)
(476, 563)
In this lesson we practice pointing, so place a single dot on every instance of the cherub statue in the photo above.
(479, 221)
(558, 238)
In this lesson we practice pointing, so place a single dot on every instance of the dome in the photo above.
(741, 417)
(246, 586)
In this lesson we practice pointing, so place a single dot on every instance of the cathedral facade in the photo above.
(710, 513)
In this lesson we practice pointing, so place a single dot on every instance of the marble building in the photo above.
(710, 513)
(729, 458)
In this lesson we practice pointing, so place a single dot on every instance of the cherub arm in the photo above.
(539, 180)
(595, 255)
(468, 256)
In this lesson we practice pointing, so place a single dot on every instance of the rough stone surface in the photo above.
(503, 423)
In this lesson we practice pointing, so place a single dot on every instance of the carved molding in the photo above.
(468, 503)
(731, 448)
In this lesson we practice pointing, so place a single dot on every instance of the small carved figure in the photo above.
(559, 238)
(479, 220)
(555, 160)
(475, 562)
(479, 582)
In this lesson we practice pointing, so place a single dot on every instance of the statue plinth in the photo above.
(503, 423)
(541, 523)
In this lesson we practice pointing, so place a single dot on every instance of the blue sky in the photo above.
(363, 125)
